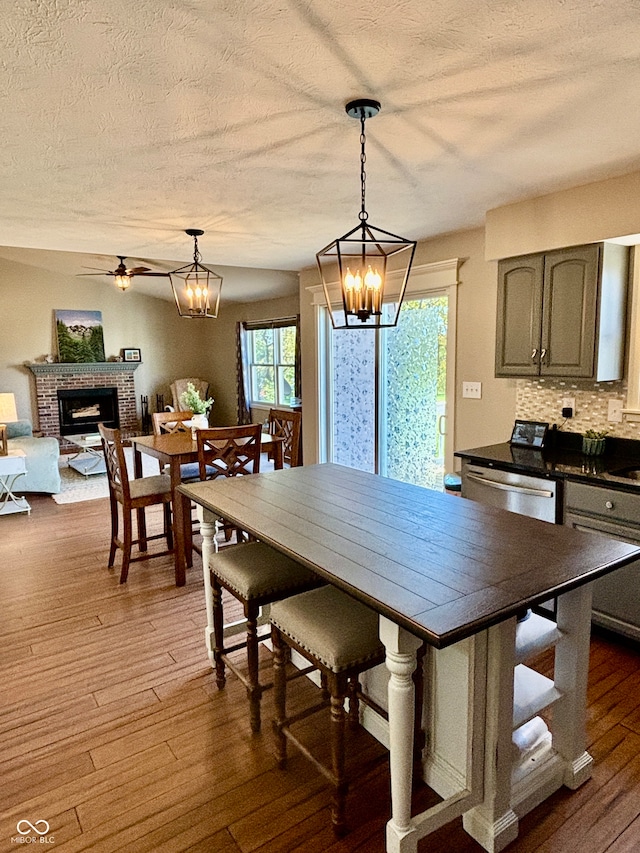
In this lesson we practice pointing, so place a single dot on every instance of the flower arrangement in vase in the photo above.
(191, 399)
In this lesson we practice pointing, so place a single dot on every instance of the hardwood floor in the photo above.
(112, 729)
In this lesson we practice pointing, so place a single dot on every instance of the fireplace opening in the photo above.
(82, 409)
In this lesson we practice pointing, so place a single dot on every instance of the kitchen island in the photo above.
(561, 484)
(456, 575)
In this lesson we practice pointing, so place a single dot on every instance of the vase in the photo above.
(592, 446)
(198, 422)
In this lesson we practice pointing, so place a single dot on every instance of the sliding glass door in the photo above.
(385, 394)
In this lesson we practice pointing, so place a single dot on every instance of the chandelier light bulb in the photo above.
(122, 281)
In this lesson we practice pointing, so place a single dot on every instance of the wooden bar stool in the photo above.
(136, 494)
(256, 575)
(339, 636)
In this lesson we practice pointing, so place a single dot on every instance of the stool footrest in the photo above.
(302, 715)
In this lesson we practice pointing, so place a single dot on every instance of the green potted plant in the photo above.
(593, 442)
(191, 399)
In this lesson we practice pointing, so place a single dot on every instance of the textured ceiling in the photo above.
(124, 123)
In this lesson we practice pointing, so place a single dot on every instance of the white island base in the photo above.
(477, 693)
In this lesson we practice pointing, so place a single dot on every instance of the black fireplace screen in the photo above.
(82, 409)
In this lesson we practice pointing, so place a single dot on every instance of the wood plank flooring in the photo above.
(113, 731)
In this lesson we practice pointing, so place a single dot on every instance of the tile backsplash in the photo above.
(541, 400)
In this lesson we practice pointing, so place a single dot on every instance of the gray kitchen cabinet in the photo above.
(614, 513)
(562, 313)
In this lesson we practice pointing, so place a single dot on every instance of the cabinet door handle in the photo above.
(608, 504)
(543, 353)
(534, 354)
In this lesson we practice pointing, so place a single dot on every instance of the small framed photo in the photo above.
(529, 433)
(131, 355)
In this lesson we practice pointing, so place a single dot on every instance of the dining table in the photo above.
(462, 578)
(175, 450)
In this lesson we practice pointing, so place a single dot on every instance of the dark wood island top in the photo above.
(442, 567)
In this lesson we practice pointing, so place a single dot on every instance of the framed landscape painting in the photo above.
(80, 336)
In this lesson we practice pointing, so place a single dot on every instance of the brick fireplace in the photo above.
(50, 378)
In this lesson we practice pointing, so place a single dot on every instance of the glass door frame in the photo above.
(429, 280)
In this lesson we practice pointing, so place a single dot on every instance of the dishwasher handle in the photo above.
(510, 487)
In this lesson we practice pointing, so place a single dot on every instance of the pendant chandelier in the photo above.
(365, 272)
(195, 287)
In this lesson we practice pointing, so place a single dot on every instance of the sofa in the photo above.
(43, 474)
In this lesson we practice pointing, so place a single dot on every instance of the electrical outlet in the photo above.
(569, 403)
(614, 415)
(472, 389)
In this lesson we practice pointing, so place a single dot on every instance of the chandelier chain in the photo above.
(196, 251)
(363, 175)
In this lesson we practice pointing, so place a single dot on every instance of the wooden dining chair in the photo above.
(171, 422)
(288, 425)
(229, 451)
(136, 494)
(251, 572)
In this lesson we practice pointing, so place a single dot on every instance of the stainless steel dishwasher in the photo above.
(525, 494)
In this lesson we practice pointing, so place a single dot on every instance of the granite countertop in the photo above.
(563, 459)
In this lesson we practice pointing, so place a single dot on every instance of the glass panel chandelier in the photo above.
(367, 266)
(195, 287)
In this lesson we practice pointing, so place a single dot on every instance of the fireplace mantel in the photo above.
(69, 375)
(43, 368)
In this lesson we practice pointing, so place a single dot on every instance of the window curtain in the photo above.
(242, 358)
(298, 363)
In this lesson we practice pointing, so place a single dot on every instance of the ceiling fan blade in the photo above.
(137, 270)
(147, 274)
(104, 272)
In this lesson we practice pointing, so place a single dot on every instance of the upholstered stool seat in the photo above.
(339, 636)
(256, 575)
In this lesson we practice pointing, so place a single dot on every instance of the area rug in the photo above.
(76, 487)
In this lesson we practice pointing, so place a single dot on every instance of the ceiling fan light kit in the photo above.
(365, 272)
(122, 275)
(196, 288)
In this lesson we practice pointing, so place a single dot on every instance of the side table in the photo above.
(89, 459)
(11, 468)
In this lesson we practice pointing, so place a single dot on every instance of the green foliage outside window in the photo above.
(415, 365)
(272, 365)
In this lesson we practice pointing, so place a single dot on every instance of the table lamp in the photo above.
(8, 413)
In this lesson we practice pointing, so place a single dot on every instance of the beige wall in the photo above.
(477, 422)
(172, 347)
(586, 214)
(219, 350)
(590, 213)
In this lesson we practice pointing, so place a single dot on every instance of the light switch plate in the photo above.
(472, 389)
(569, 403)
